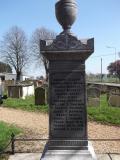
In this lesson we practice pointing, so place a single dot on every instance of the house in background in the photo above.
(11, 76)
(20, 90)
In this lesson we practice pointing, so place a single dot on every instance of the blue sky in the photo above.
(96, 18)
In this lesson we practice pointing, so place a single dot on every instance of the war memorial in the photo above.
(68, 137)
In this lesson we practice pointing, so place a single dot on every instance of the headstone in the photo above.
(1, 88)
(15, 91)
(66, 54)
(39, 96)
(1, 92)
(93, 102)
(93, 92)
(46, 95)
(112, 90)
(93, 97)
(114, 100)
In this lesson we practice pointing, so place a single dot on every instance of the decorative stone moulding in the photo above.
(67, 42)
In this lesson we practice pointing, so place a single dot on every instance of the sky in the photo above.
(96, 18)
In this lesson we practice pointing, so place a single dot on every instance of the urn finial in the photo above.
(66, 12)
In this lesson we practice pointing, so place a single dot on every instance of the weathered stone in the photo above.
(36, 156)
(93, 92)
(70, 154)
(115, 156)
(64, 155)
(114, 100)
(14, 91)
(68, 10)
(67, 91)
(25, 156)
(1, 87)
(93, 97)
(103, 157)
(39, 96)
(93, 102)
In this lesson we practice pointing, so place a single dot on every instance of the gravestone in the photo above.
(1, 87)
(15, 91)
(114, 100)
(112, 90)
(66, 54)
(46, 95)
(1, 93)
(93, 92)
(93, 97)
(39, 96)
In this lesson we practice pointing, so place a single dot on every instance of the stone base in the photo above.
(64, 144)
(69, 154)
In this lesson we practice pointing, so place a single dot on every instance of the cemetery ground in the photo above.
(27, 104)
(33, 121)
(104, 113)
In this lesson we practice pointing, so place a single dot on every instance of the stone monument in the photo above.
(39, 96)
(66, 54)
(93, 97)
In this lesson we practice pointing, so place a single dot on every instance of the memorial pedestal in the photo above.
(70, 154)
(67, 98)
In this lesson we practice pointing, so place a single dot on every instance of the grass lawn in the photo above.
(5, 134)
(4, 157)
(27, 104)
(104, 113)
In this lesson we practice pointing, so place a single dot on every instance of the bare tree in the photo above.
(14, 49)
(43, 34)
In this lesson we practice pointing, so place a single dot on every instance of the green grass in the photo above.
(27, 104)
(104, 113)
(5, 134)
(3, 157)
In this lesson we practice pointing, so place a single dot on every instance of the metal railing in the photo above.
(14, 140)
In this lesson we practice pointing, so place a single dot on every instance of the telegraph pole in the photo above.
(101, 71)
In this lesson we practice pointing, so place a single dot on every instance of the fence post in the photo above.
(13, 143)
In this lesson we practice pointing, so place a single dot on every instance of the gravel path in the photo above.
(37, 124)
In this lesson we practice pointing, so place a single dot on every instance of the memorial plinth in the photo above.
(67, 96)
(66, 54)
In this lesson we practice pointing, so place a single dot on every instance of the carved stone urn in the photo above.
(66, 12)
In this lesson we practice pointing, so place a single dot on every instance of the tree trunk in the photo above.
(18, 74)
(47, 74)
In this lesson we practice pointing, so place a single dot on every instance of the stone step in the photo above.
(67, 155)
(70, 152)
